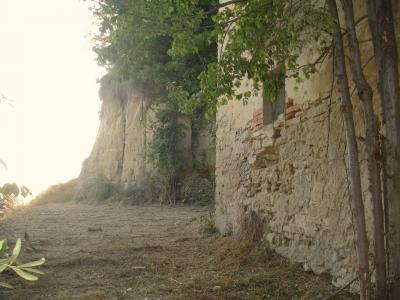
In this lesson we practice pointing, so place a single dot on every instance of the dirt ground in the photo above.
(147, 252)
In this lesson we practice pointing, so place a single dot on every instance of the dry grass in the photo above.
(59, 193)
(207, 224)
(152, 252)
(251, 227)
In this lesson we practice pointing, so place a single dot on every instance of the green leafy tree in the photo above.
(261, 39)
(163, 45)
(172, 45)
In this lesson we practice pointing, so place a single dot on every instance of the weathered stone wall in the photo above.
(294, 172)
(121, 151)
(296, 179)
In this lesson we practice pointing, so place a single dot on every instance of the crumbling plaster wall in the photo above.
(294, 172)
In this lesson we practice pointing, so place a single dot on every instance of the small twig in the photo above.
(329, 108)
(176, 281)
(341, 289)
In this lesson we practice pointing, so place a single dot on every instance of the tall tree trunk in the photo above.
(372, 142)
(381, 22)
(357, 204)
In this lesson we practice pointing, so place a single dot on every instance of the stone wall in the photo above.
(293, 172)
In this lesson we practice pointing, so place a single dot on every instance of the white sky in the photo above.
(48, 69)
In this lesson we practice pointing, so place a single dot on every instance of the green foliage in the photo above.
(196, 189)
(157, 44)
(164, 148)
(170, 48)
(9, 193)
(170, 45)
(10, 261)
(261, 39)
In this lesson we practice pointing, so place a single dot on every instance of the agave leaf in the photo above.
(17, 248)
(33, 263)
(25, 275)
(32, 270)
(6, 285)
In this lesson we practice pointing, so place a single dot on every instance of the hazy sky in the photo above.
(48, 69)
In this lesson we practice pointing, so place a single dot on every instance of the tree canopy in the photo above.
(170, 46)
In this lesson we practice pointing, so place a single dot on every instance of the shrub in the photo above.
(99, 189)
(59, 193)
(207, 224)
(196, 189)
(165, 153)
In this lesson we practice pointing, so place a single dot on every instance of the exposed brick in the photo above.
(290, 115)
(293, 108)
(292, 121)
(258, 112)
(299, 113)
(257, 121)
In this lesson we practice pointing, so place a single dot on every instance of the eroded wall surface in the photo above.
(119, 152)
(294, 172)
(296, 181)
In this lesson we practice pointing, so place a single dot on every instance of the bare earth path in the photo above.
(146, 252)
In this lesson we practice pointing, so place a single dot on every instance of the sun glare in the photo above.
(49, 72)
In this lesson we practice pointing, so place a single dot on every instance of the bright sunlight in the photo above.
(49, 72)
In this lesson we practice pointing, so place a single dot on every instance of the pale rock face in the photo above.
(121, 150)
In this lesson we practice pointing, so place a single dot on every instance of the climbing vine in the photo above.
(165, 151)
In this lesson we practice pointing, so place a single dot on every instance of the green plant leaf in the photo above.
(33, 263)
(17, 248)
(3, 266)
(32, 270)
(6, 285)
(25, 275)
(6, 260)
(25, 191)
(12, 259)
(3, 247)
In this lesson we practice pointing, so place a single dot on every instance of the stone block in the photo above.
(293, 121)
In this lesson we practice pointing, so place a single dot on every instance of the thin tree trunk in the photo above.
(355, 180)
(380, 18)
(372, 142)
